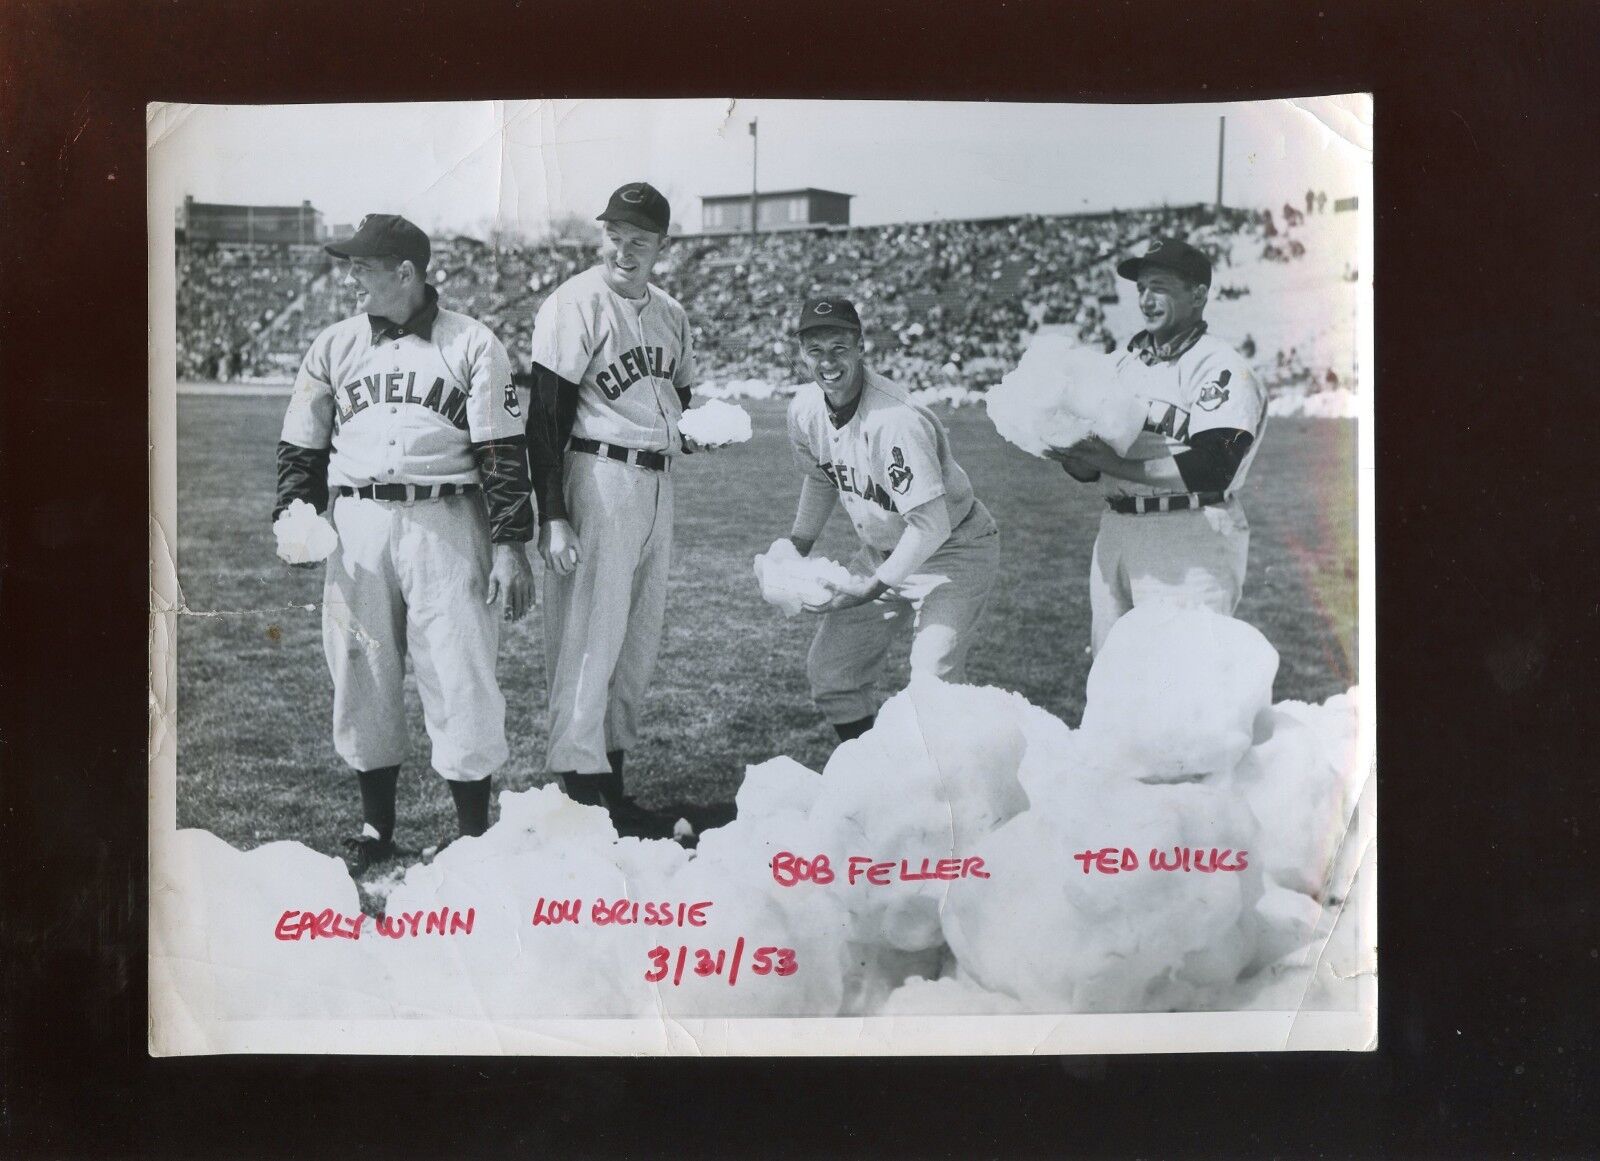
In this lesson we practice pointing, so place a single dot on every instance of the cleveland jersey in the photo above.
(890, 456)
(628, 358)
(1208, 385)
(403, 405)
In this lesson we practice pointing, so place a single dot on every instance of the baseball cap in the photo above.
(639, 204)
(1172, 254)
(379, 235)
(828, 312)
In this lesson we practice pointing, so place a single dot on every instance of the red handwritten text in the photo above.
(1115, 860)
(789, 869)
(708, 962)
(294, 926)
(620, 913)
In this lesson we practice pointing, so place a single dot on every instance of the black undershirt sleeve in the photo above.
(503, 474)
(1213, 458)
(684, 395)
(550, 417)
(302, 475)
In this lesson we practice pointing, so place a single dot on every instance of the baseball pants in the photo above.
(942, 604)
(1195, 557)
(410, 579)
(603, 621)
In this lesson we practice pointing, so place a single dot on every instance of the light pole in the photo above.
(754, 143)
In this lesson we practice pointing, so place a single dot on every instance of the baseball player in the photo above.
(930, 551)
(1174, 529)
(613, 365)
(404, 419)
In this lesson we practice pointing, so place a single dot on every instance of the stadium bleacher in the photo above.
(945, 302)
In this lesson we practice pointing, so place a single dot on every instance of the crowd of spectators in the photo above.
(228, 296)
(944, 302)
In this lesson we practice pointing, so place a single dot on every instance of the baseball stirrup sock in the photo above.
(848, 730)
(611, 784)
(585, 789)
(377, 799)
(472, 805)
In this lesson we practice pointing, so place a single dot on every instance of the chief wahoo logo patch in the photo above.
(1214, 395)
(899, 474)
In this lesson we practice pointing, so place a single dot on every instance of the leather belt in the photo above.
(1140, 505)
(406, 491)
(655, 461)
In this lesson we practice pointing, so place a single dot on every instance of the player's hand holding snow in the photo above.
(558, 545)
(1078, 459)
(304, 538)
(847, 594)
(511, 580)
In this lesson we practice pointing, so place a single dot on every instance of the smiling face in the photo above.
(833, 357)
(627, 255)
(1169, 302)
(383, 287)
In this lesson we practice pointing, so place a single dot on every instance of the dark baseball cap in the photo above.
(1172, 254)
(639, 204)
(382, 235)
(828, 312)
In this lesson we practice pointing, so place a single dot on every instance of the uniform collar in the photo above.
(419, 324)
(848, 412)
(1149, 351)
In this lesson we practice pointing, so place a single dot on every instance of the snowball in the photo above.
(1175, 692)
(789, 580)
(303, 536)
(716, 424)
(1060, 394)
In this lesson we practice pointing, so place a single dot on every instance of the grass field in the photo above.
(255, 753)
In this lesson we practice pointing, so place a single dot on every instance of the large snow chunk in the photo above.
(1175, 692)
(545, 848)
(1060, 394)
(217, 915)
(789, 580)
(1056, 938)
(935, 774)
(303, 536)
(1301, 781)
(951, 996)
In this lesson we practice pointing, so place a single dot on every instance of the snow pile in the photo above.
(789, 580)
(1337, 404)
(977, 856)
(1061, 393)
(303, 536)
(746, 389)
(213, 919)
(716, 424)
(949, 395)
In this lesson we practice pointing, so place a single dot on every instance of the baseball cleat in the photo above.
(366, 852)
(634, 821)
